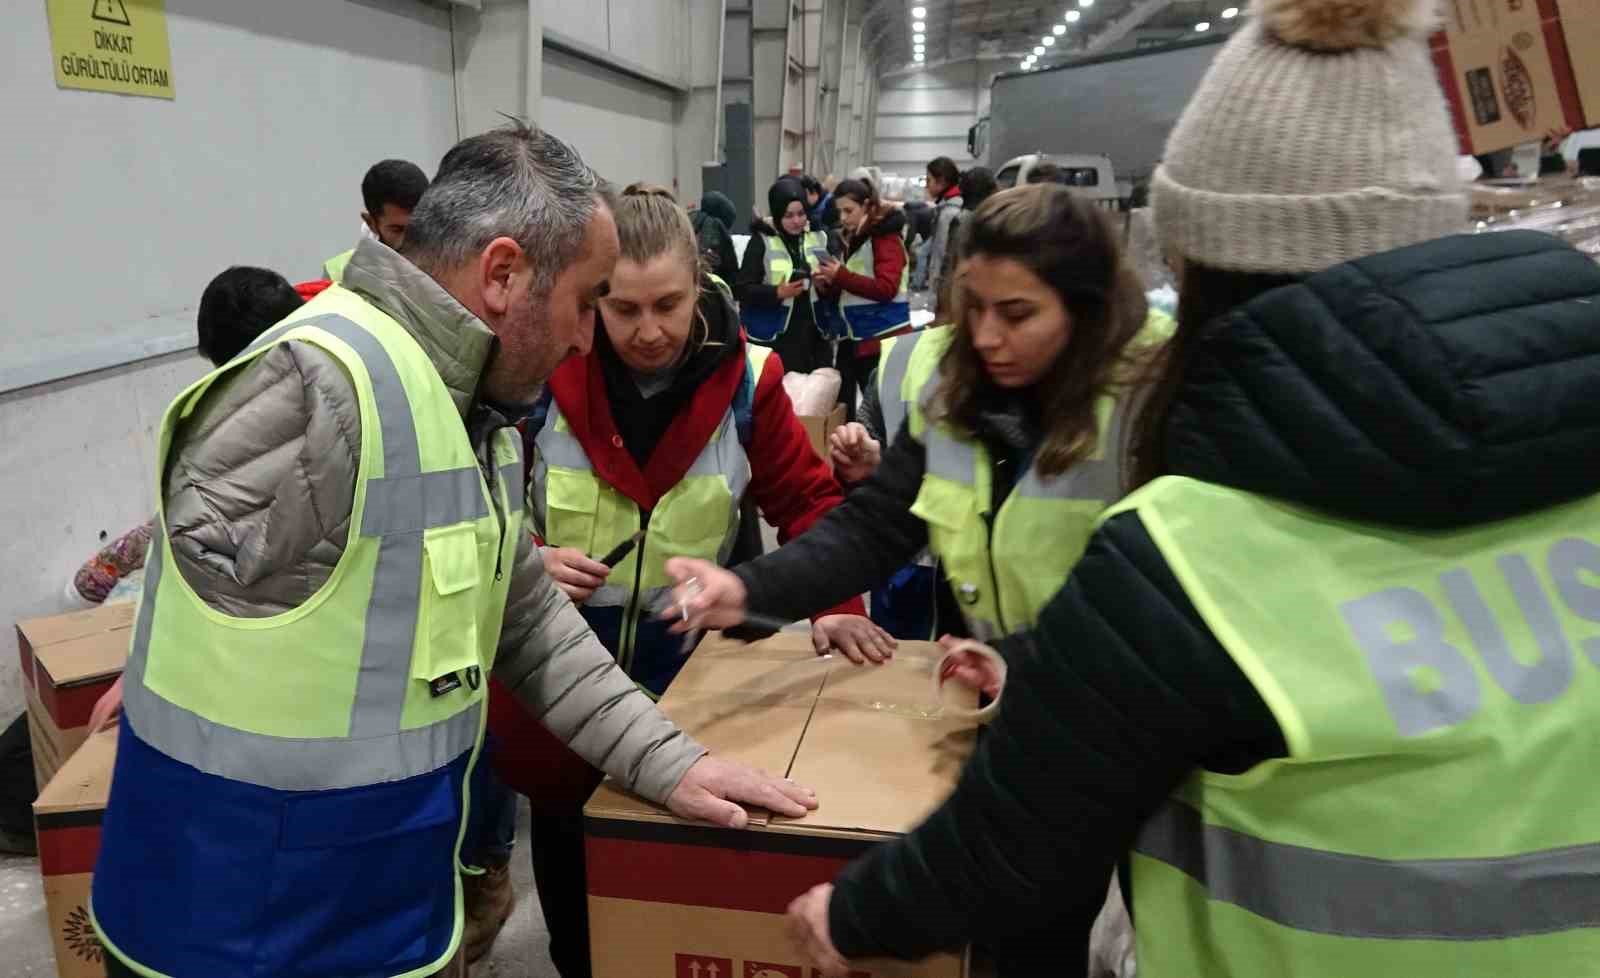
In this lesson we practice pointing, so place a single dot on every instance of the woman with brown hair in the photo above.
(870, 283)
(644, 450)
(1009, 449)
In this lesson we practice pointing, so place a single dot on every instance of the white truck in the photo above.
(1090, 176)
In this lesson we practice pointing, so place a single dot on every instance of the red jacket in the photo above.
(888, 262)
(791, 485)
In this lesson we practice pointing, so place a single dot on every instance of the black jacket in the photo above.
(716, 246)
(1444, 385)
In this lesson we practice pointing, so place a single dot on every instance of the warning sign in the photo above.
(700, 966)
(111, 46)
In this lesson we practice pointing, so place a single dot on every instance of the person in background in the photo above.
(668, 423)
(304, 693)
(944, 193)
(1006, 453)
(870, 284)
(1325, 673)
(237, 306)
(713, 228)
(1046, 172)
(977, 185)
(777, 301)
(390, 192)
(820, 208)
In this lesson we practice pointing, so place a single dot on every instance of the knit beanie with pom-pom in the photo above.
(1319, 135)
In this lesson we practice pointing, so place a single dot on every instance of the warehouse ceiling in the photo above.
(957, 30)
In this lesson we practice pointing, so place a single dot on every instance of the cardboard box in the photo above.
(68, 662)
(67, 818)
(670, 898)
(1507, 72)
(819, 428)
(1581, 26)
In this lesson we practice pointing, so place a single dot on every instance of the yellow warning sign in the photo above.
(112, 46)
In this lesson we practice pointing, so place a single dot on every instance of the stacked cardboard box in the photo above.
(671, 898)
(820, 427)
(1516, 70)
(68, 661)
(67, 819)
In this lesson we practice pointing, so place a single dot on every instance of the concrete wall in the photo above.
(924, 114)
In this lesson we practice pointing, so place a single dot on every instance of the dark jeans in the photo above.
(558, 871)
(492, 815)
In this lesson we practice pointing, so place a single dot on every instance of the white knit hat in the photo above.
(1319, 135)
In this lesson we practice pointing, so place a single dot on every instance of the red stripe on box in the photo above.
(70, 706)
(25, 652)
(1555, 41)
(1446, 68)
(703, 876)
(65, 851)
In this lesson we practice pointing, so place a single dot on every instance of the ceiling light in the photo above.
(1059, 30)
(1047, 40)
(1038, 50)
(1086, 4)
(918, 38)
(1024, 65)
(918, 49)
(1202, 27)
(1230, 13)
(1073, 16)
(919, 12)
(919, 26)
(917, 58)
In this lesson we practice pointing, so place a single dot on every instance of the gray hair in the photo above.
(515, 182)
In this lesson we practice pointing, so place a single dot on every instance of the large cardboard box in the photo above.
(1581, 26)
(819, 428)
(1507, 71)
(67, 819)
(68, 661)
(669, 898)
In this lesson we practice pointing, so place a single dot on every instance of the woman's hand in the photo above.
(856, 454)
(574, 572)
(827, 269)
(107, 708)
(971, 669)
(858, 638)
(808, 927)
(711, 596)
(789, 290)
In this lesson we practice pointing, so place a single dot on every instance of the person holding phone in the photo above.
(870, 283)
(776, 299)
(654, 438)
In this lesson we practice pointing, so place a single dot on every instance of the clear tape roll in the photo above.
(942, 672)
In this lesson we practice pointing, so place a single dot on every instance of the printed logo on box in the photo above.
(764, 969)
(702, 966)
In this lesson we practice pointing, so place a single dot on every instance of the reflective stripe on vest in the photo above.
(894, 358)
(1004, 565)
(866, 318)
(698, 517)
(334, 267)
(412, 518)
(766, 323)
(1435, 689)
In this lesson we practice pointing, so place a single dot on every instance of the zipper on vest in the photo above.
(994, 578)
(630, 619)
(492, 479)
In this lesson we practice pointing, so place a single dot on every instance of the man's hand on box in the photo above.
(858, 638)
(712, 789)
(808, 927)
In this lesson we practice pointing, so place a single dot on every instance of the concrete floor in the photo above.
(520, 952)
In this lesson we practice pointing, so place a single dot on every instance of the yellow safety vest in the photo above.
(1005, 564)
(324, 750)
(1435, 815)
(766, 323)
(866, 318)
(333, 268)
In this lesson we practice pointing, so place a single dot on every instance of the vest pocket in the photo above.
(571, 499)
(944, 504)
(693, 520)
(450, 594)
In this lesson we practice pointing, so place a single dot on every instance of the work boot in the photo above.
(488, 899)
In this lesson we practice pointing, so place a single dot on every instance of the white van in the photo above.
(1086, 174)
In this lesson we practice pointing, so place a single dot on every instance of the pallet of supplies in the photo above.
(672, 898)
(67, 819)
(68, 662)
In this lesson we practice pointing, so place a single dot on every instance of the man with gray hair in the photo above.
(339, 560)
